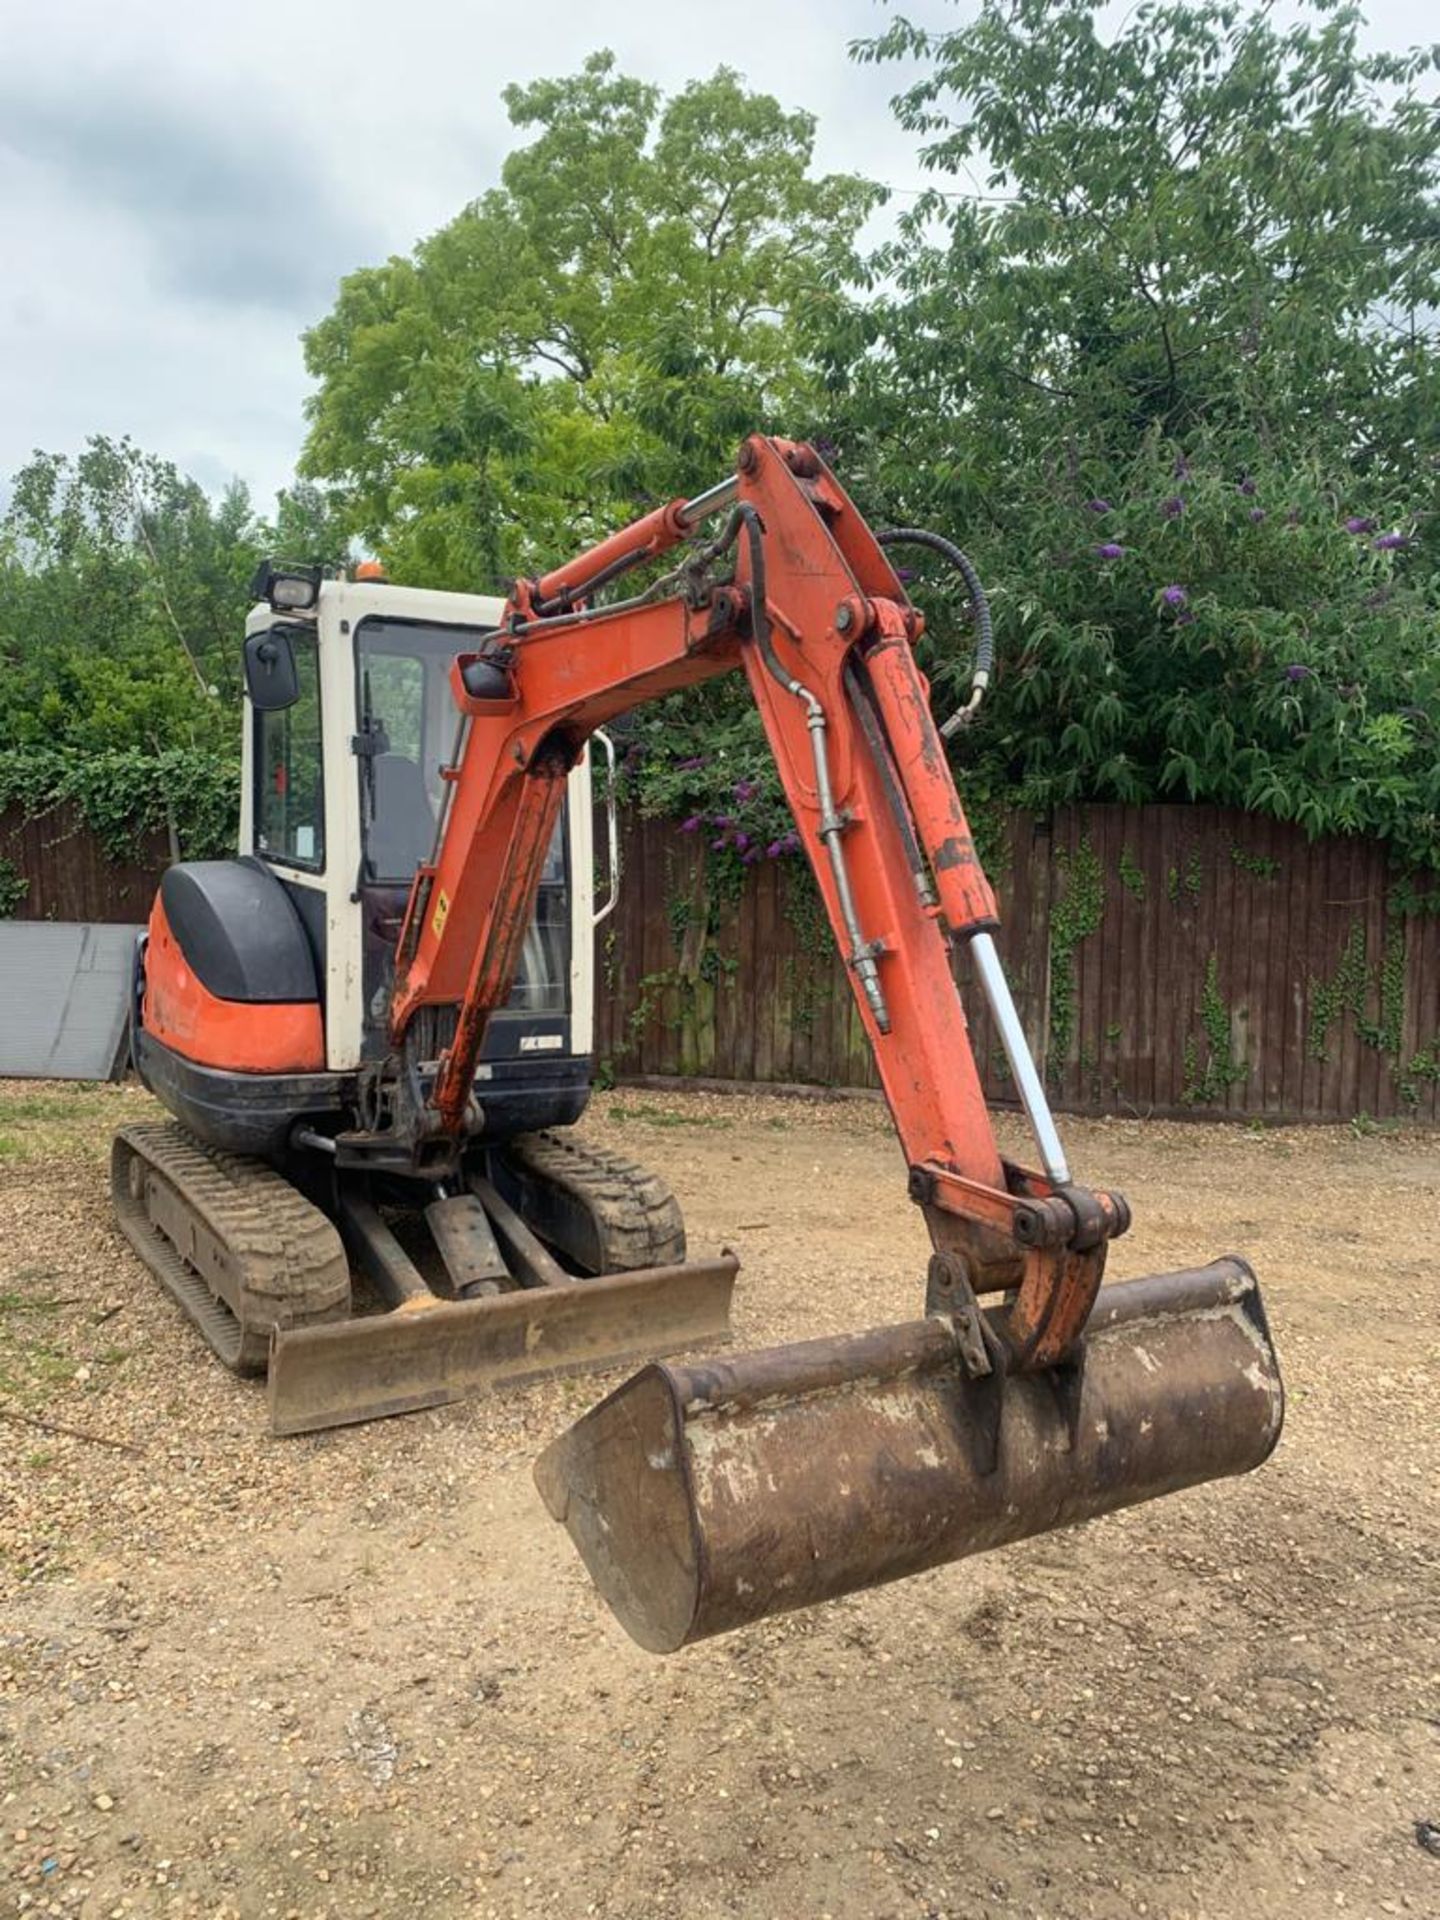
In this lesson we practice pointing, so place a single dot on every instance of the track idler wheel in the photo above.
(708, 1497)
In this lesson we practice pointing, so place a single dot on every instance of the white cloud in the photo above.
(181, 188)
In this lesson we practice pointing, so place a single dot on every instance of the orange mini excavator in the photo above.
(701, 1496)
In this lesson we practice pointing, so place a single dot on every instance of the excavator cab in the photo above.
(386, 651)
(342, 786)
(261, 1019)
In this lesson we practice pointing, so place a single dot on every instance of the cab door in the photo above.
(407, 734)
(283, 817)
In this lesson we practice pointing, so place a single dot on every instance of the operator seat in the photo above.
(402, 834)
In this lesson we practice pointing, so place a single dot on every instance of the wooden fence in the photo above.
(67, 874)
(1165, 960)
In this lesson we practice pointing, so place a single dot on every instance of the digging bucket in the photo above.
(703, 1498)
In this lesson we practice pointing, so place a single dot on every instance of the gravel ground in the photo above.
(361, 1674)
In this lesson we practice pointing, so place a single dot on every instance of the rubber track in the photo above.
(292, 1267)
(636, 1217)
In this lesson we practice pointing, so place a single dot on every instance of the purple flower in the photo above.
(742, 841)
(1296, 673)
(1112, 550)
(1173, 507)
(1388, 542)
(1357, 523)
(692, 825)
(1257, 514)
(1174, 596)
(826, 448)
(1098, 506)
(746, 790)
(721, 820)
(1184, 619)
(690, 766)
(719, 846)
(775, 849)
(1246, 486)
(904, 575)
(750, 856)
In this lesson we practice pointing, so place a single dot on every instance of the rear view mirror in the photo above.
(270, 677)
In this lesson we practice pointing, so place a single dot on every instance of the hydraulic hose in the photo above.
(980, 609)
(861, 956)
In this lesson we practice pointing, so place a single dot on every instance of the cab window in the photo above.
(408, 727)
(289, 780)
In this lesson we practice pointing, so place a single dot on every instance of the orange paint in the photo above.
(235, 1036)
(569, 681)
(833, 603)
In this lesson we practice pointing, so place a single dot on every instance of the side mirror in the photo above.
(270, 677)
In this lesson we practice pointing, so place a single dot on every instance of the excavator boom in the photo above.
(829, 1465)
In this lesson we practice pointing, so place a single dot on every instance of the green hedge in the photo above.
(126, 794)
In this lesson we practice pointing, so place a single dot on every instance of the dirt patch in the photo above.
(362, 1674)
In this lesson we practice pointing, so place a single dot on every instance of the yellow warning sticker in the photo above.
(441, 914)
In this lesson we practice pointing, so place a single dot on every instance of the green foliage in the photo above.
(1385, 1036)
(593, 335)
(1187, 881)
(704, 763)
(13, 888)
(1159, 348)
(1424, 1065)
(1261, 865)
(122, 592)
(1412, 892)
(1074, 916)
(1206, 1081)
(693, 909)
(1344, 991)
(1348, 992)
(124, 793)
(1132, 875)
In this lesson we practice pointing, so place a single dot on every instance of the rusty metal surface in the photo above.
(429, 1352)
(703, 1498)
(376, 1251)
(466, 1244)
(527, 1258)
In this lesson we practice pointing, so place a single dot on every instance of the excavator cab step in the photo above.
(703, 1498)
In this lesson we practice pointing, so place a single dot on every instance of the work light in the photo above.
(288, 589)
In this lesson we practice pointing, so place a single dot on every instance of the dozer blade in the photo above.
(707, 1497)
(429, 1352)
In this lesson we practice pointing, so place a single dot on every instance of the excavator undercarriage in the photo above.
(471, 1296)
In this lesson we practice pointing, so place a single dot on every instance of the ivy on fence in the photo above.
(123, 795)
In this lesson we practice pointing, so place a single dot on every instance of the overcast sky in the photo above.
(182, 186)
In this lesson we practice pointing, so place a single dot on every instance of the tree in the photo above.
(122, 592)
(1160, 346)
(594, 334)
